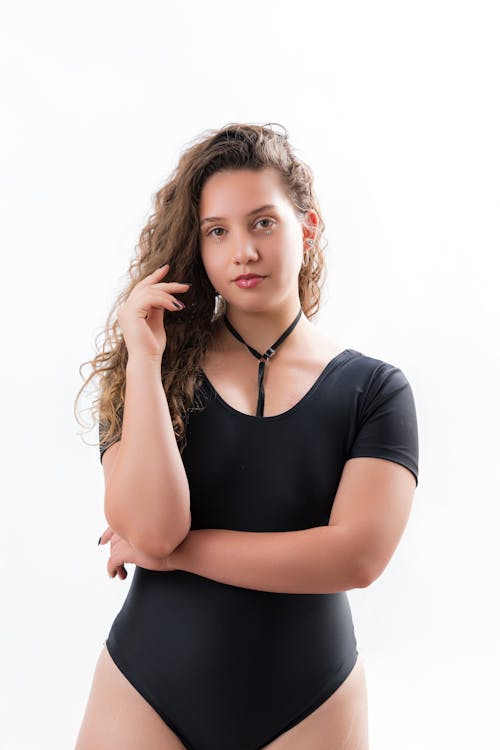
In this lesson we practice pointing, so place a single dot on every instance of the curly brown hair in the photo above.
(172, 234)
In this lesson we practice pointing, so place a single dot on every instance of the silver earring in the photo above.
(307, 254)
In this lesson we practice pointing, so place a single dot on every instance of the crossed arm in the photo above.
(371, 509)
(369, 514)
(316, 560)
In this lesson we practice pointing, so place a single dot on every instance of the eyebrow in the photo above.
(250, 213)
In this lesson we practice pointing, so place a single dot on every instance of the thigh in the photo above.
(340, 723)
(117, 717)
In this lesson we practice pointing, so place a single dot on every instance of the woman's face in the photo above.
(240, 239)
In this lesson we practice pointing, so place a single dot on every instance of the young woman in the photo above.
(255, 471)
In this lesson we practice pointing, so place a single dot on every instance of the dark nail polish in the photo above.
(98, 543)
(179, 305)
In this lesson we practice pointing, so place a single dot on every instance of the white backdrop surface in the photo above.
(395, 107)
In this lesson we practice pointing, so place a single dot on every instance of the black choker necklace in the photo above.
(263, 357)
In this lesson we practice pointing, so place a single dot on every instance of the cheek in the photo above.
(286, 262)
(213, 267)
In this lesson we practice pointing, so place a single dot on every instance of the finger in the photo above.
(165, 300)
(157, 274)
(106, 536)
(116, 565)
(161, 271)
(177, 286)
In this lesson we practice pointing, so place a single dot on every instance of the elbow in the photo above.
(151, 548)
(368, 573)
(149, 541)
(160, 548)
(364, 579)
(163, 546)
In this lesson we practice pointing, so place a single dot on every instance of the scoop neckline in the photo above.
(273, 417)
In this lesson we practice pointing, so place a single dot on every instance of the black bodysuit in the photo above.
(231, 668)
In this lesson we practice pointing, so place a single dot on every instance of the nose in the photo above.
(244, 248)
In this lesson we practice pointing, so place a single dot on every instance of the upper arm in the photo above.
(380, 474)
(108, 459)
(108, 451)
(373, 501)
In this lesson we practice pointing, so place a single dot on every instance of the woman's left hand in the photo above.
(122, 552)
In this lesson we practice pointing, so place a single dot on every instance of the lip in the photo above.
(249, 276)
(248, 282)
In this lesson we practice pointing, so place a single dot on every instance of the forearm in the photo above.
(147, 497)
(318, 560)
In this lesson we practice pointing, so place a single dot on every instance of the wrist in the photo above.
(141, 362)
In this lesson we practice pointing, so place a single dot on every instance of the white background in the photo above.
(395, 107)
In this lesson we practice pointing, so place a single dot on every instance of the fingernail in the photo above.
(98, 543)
(179, 305)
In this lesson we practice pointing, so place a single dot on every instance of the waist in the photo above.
(180, 600)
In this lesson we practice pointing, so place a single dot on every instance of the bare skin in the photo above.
(117, 717)
(340, 723)
(289, 374)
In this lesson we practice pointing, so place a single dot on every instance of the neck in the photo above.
(261, 330)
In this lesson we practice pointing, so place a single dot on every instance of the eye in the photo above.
(213, 230)
(271, 220)
(258, 222)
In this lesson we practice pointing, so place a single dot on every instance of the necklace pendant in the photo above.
(268, 354)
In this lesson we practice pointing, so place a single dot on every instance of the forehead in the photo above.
(237, 192)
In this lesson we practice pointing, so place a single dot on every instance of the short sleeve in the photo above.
(104, 445)
(387, 425)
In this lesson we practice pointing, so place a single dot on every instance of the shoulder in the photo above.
(373, 367)
(373, 380)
